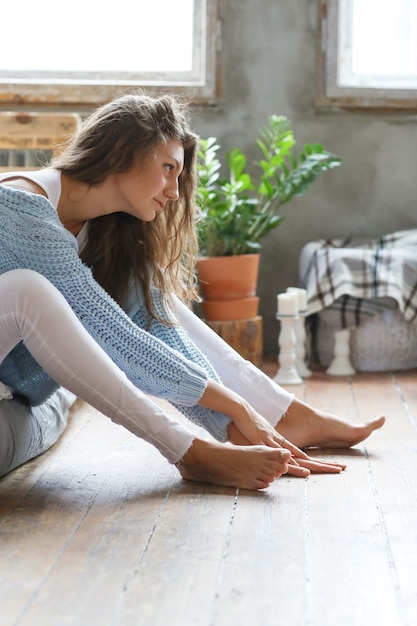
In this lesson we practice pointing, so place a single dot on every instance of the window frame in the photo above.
(201, 84)
(330, 95)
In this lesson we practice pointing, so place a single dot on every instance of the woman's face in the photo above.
(145, 190)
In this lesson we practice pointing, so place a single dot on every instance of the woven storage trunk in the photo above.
(379, 344)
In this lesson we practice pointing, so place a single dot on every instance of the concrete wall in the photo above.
(269, 66)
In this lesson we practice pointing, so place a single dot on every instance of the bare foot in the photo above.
(307, 428)
(248, 467)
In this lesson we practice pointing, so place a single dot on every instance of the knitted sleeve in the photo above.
(32, 237)
(176, 336)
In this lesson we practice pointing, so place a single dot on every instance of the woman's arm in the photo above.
(238, 374)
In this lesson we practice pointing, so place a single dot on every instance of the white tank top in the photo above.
(49, 180)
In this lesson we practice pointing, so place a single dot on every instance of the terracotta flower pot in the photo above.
(228, 310)
(228, 285)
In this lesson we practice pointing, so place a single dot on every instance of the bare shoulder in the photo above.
(20, 182)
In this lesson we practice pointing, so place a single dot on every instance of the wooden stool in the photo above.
(245, 336)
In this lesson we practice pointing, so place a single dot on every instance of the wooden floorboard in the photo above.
(101, 530)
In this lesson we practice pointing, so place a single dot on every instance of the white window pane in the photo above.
(378, 43)
(384, 37)
(90, 35)
(90, 50)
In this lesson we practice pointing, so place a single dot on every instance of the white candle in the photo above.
(287, 304)
(302, 297)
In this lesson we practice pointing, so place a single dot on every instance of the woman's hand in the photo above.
(302, 467)
(249, 427)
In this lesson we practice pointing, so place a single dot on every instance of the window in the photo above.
(93, 51)
(368, 54)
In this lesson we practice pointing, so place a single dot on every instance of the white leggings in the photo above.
(32, 310)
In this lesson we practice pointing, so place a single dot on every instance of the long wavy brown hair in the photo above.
(121, 248)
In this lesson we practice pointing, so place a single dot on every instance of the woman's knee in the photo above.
(28, 301)
(26, 282)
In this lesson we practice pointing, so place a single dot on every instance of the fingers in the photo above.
(303, 467)
(317, 466)
(296, 452)
(335, 463)
(296, 470)
(301, 464)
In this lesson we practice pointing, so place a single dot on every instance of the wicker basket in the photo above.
(377, 345)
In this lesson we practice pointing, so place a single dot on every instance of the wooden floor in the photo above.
(101, 531)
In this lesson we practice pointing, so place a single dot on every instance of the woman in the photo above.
(96, 258)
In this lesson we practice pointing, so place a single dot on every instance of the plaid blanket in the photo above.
(362, 277)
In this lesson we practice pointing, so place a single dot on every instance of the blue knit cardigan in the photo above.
(32, 237)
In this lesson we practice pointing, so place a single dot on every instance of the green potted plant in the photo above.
(237, 212)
